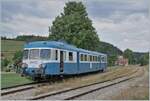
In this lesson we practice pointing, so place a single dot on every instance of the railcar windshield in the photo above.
(34, 54)
(45, 54)
(37, 54)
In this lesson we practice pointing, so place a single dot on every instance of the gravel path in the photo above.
(109, 92)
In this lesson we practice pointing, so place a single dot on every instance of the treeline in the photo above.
(27, 38)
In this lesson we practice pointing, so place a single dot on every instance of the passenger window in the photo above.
(85, 57)
(64, 53)
(90, 58)
(102, 59)
(96, 58)
(54, 55)
(81, 57)
(99, 59)
(70, 56)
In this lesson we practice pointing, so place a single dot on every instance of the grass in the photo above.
(11, 79)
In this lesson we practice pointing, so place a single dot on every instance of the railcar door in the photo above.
(61, 61)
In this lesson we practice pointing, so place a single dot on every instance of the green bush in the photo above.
(17, 60)
(4, 63)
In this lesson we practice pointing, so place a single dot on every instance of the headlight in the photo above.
(24, 65)
(42, 65)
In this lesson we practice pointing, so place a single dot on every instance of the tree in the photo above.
(112, 59)
(129, 55)
(74, 26)
(144, 60)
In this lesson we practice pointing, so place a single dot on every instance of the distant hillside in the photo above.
(29, 38)
(109, 49)
(9, 47)
(139, 55)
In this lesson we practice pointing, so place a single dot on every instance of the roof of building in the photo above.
(58, 44)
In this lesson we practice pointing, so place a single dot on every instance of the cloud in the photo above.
(29, 16)
(131, 32)
(123, 23)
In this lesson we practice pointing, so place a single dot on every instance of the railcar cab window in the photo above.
(70, 56)
(25, 54)
(34, 54)
(45, 54)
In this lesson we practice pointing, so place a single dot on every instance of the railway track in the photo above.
(72, 93)
(23, 87)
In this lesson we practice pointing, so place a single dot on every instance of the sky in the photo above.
(123, 23)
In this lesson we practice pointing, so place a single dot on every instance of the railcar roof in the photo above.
(57, 44)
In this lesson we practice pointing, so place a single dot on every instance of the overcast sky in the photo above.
(123, 23)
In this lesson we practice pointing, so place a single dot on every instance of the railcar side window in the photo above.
(99, 58)
(81, 57)
(90, 57)
(96, 58)
(64, 54)
(103, 59)
(85, 57)
(70, 56)
(34, 54)
(45, 53)
(54, 55)
(25, 54)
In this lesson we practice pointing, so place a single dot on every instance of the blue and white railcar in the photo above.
(48, 58)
